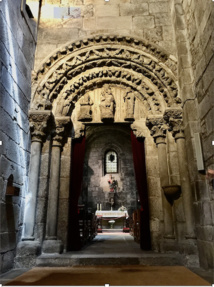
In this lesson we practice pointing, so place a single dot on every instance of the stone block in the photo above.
(134, 10)
(168, 33)
(64, 187)
(7, 261)
(143, 22)
(100, 2)
(59, 35)
(73, 23)
(154, 34)
(202, 192)
(206, 251)
(158, 7)
(162, 19)
(10, 216)
(205, 233)
(7, 241)
(123, 22)
(152, 167)
(28, 248)
(154, 186)
(155, 208)
(107, 10)
(52, 246)
(65, 167)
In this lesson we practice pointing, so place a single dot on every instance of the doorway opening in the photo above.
(113, 186)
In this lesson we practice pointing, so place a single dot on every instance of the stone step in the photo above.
(149, 259)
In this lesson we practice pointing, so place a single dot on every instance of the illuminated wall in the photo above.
(17, 46)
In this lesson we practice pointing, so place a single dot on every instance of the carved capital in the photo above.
(157, 128)
(173, 116)
(60, 129)
(38, 124)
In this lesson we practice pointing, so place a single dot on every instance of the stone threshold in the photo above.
(149, 259)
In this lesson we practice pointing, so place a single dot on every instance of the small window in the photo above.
(111, 162)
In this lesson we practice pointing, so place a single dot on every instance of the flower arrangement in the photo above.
(112, 184)
(122, 208)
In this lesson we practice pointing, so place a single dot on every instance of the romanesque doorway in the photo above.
(138, 80)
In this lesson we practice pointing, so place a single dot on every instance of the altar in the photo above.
(107, 215)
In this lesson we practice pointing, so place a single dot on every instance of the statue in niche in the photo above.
(107, 104)
(129, 100)
(85, 113)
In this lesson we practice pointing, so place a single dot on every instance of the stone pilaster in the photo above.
(175, 122)
(158, 130)
(51, 243)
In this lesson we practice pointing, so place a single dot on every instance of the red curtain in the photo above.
(77, 162)
(141, 181)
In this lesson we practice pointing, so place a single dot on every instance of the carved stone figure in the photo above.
(129, 100)
(85, 113)
(107, 104)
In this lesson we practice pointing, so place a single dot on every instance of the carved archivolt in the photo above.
(73, 70)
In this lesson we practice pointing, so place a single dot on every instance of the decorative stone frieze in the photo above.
(173, 117)
(60, 132)
(107, 104)
(157, 128)
(38, 124)
(110, 59)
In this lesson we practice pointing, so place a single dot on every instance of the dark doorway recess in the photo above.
(140, 174)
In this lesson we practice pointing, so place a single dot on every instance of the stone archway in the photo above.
(66, 80)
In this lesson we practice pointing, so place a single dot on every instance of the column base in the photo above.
(52, 246)
(26, 254)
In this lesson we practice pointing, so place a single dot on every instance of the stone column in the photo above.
(175, 121)
(51, 244)
(158, 132)
(38, 124)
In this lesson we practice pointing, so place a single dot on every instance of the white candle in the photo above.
(97, 206)
(100, 206)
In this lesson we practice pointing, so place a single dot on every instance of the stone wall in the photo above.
(193, 22)
(75, 19)
(199, 17)
(17, 47)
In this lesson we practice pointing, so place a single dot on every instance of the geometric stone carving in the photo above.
(129, 100)
(85, 113)
(107, 104)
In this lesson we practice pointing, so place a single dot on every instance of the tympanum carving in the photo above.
(107, 104)
(85, 113)
(129, 100)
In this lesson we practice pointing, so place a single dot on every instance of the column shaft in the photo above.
(51, 227)
(164, 178)
(186, 187)
(30, 204)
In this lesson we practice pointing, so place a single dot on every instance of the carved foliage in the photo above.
(157, 127)
(60, 123)
(175, 121)
(38, 124)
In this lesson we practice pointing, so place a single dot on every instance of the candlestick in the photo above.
(100, 206)
(97, 206)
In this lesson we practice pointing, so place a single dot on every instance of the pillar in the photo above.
(51, 244)
(158, 132)
(38, 124)
(174, 119)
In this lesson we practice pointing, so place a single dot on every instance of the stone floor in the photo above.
(109, 248)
